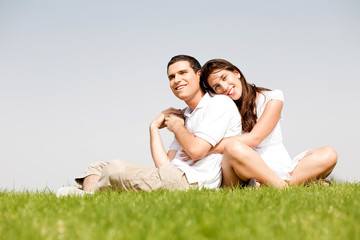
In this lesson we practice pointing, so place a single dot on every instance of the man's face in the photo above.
(184, 82)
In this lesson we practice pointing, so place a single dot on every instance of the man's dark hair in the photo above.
(194, 64)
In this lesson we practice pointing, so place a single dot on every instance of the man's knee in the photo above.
(115, 171)
(112, 176)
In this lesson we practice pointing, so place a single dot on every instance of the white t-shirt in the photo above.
(215, 118)
(272, 149)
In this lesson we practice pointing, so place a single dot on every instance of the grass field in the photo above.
(314, 212)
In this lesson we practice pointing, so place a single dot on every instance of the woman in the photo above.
(259, 152)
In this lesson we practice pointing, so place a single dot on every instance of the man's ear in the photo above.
(198, 73)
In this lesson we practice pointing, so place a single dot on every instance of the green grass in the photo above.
(314, 212)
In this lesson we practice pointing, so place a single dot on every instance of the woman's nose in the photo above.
(223, 87)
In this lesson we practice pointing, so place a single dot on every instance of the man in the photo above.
(208, 119)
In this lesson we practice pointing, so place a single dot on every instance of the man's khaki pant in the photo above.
(125, 175)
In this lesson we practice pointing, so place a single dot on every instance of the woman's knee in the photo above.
(328, 156)
(332, 155)
(236, 151)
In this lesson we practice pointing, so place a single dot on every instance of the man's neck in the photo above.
(193, 102)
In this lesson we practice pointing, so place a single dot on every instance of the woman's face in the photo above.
(226, 83)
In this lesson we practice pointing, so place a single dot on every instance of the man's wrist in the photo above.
(178, 127)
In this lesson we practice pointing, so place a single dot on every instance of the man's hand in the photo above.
(159, 121)
(174, 122)
(185, 157)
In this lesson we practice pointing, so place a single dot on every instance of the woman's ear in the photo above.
(237, 74)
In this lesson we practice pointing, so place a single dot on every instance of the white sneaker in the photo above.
(71, 191)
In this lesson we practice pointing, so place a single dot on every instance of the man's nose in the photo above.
(177, 77)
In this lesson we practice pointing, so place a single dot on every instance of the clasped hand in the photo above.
(171, 118)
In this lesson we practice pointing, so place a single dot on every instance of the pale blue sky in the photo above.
(80, 81)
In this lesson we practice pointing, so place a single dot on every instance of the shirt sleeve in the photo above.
(221, 116)
(275, 95)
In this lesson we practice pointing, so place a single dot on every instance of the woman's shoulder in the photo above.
(273, 95)
(265, 96)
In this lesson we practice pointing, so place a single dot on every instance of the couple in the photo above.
(213, 137)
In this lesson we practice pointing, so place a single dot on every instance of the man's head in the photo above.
(184, 76)
(194, 64)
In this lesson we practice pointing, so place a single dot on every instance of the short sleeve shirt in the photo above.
(214, 118)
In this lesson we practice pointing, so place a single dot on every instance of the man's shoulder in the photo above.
(221, 99)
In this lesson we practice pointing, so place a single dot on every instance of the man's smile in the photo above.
(180, 87)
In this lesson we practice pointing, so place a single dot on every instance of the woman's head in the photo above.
(222, 77)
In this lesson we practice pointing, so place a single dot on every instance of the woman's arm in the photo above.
(264, 126)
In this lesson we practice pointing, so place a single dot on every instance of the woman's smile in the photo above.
(227, 83)
(231, 91)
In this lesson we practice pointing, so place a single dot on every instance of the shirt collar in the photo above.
(203, 102)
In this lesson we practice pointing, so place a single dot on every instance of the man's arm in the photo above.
(221, 118)
(187, 140)
(158, 152)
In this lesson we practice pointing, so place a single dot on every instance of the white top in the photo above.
(271, 149)
(214, 118)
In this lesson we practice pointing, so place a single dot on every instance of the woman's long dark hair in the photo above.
(247, 102)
